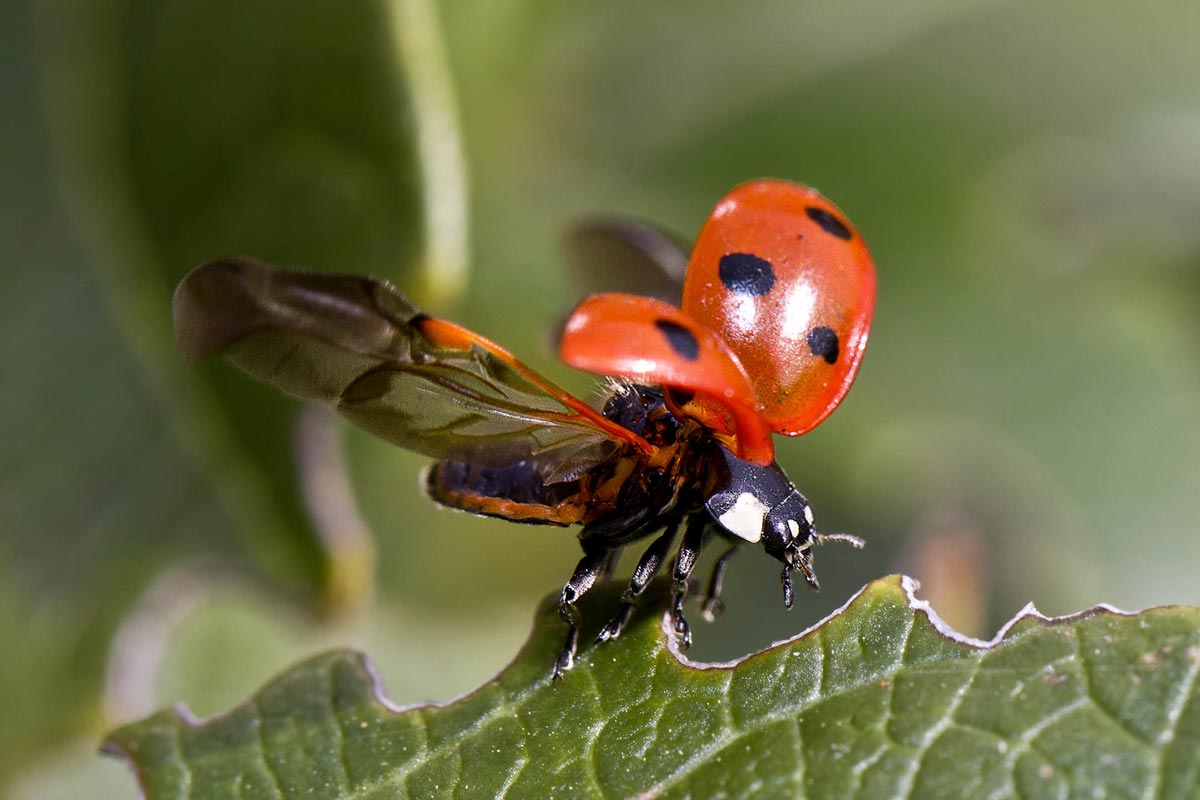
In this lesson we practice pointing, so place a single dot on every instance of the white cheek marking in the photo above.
(745, 517)
(808, 514)
(794, 527)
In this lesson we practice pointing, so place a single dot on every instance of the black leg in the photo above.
(713, 606)
(586, 572)
(685, 561)
(647, 567)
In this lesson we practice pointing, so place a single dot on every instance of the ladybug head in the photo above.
(788, 534)
(798, 557)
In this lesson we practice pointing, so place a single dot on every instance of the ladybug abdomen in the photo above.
(517, 492)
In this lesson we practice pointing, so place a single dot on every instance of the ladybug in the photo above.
(767, 336)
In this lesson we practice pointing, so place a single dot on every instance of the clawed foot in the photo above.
(566, 658)
(712, 608)
(569, 615)
(617, 624)
(683, 632)
(679, 624)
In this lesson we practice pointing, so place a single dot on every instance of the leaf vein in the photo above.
(186, 789)
(1112, 716)
(594, 736)
(1030, 734)
(262, 744)
(1175, 711)
(784, 714)
(506, 705)
(801, 774)
(343, 760)
(908, 779)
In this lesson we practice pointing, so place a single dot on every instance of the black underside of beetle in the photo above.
(656, 503)
(649, 501)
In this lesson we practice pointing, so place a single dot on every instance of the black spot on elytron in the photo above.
(682, 340)
(829, 223)
(823, 342)
(746, 273)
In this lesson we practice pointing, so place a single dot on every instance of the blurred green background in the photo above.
(1026, 425)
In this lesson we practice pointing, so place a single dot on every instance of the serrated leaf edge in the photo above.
(905, 584)
(908, 585)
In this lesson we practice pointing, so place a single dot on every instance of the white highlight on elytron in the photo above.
(799, 302)
(643, 366)
(794, 527)
(808, 514)
(726, 206)
(745, 314)
(745, 517)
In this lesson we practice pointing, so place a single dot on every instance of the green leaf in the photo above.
(879, 700)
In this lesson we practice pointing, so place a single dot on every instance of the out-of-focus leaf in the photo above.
(95, 492)
(190, 130)
(144, 138)
(880, 700)
(73, 772)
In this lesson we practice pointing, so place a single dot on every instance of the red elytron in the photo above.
(776, 307)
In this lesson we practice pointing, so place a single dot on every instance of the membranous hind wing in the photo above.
(359, 346)
(624, 254)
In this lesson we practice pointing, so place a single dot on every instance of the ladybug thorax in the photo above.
(760, 505)
(781, 275)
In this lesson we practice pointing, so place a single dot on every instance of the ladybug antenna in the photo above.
(853, 541)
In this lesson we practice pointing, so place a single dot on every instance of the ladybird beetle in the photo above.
(774, 312)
